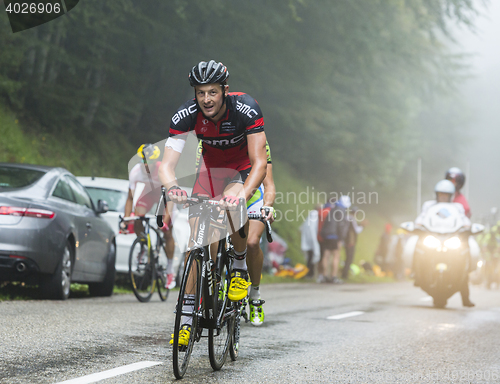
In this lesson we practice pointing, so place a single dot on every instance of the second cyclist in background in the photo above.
(149, 197)
(260, 203)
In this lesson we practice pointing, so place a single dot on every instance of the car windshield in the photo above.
(13, 177)
(115, 199)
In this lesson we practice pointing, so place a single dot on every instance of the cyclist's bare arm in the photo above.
(166, 171)
(129, 203)
(269, 191)
(258, 159)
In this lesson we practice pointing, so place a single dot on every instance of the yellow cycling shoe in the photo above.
(184, 335)
(238, 289)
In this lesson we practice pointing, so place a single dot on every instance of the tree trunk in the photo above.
(44, 52)
(29, 63)
(96, 98)
(55, 64)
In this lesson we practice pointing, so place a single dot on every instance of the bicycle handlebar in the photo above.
(198, 200)
(269, 231)
(132, 218)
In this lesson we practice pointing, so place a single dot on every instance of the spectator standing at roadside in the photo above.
(351, 238)
(383, 247)
(333, 232)
(309, 240)
(322, 214)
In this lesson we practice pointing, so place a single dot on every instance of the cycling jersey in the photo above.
(256, 202)
(151, 193)
(225, 143)
(199, 152)
(138, 174)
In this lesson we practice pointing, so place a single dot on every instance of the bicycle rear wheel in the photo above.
(190, 284)
(161, 274)
(141, 269)
(219, 339)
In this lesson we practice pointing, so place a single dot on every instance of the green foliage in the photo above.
(349, 89)
(290, 211)
(106, 156)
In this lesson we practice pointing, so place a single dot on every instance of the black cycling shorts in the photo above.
(331, 244)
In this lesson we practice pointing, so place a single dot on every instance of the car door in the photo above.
(64, 198)
(98, 232)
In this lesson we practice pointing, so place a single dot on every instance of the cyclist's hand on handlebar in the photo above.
(268, 213)
(228, 202)
(177, 195)
(124, 227)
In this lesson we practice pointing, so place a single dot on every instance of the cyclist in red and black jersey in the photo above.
(231, 127)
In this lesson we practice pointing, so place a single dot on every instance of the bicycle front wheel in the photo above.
(235, 339)
(161, 274)
(190, 299)
(219, 339)
(141, 269)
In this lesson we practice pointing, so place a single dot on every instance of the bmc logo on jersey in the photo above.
(224, 142)
(183, 113)
(245, 109)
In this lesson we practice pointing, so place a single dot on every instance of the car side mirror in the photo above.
(102, 206)
(476, 228)
(408, 226)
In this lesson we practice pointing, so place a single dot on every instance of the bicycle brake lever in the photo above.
(269, 232)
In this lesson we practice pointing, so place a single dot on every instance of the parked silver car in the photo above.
(51, 233)
(115, 192)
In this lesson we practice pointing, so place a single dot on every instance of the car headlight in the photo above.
(453, 243)
(431, 242)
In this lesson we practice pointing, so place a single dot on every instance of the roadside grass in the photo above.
(362, 278)
(22, 143)
(20, 291)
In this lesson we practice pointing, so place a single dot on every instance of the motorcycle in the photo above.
(444, 251)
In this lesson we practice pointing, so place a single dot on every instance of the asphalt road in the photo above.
(369, 333)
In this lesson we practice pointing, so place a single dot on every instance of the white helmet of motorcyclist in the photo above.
(444, 191)
(345, 200)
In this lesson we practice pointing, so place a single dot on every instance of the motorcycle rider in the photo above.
(457, 177)
(445, 190)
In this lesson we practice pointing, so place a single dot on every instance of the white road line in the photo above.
(111, 373)
(427, 298)
(344, 315)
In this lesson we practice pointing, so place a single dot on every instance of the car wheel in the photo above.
(57, 286)
(106, 287)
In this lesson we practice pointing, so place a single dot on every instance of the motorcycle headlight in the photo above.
(431, 242)
(453, 243)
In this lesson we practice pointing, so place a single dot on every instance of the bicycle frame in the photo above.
(211, 308)
(210, 270)
(147, 230)
(153, 255)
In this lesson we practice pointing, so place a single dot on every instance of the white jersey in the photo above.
(138, 174)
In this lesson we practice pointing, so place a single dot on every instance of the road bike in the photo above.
(205, 287)
(147, 262)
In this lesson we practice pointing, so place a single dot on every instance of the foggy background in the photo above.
(482, 94)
